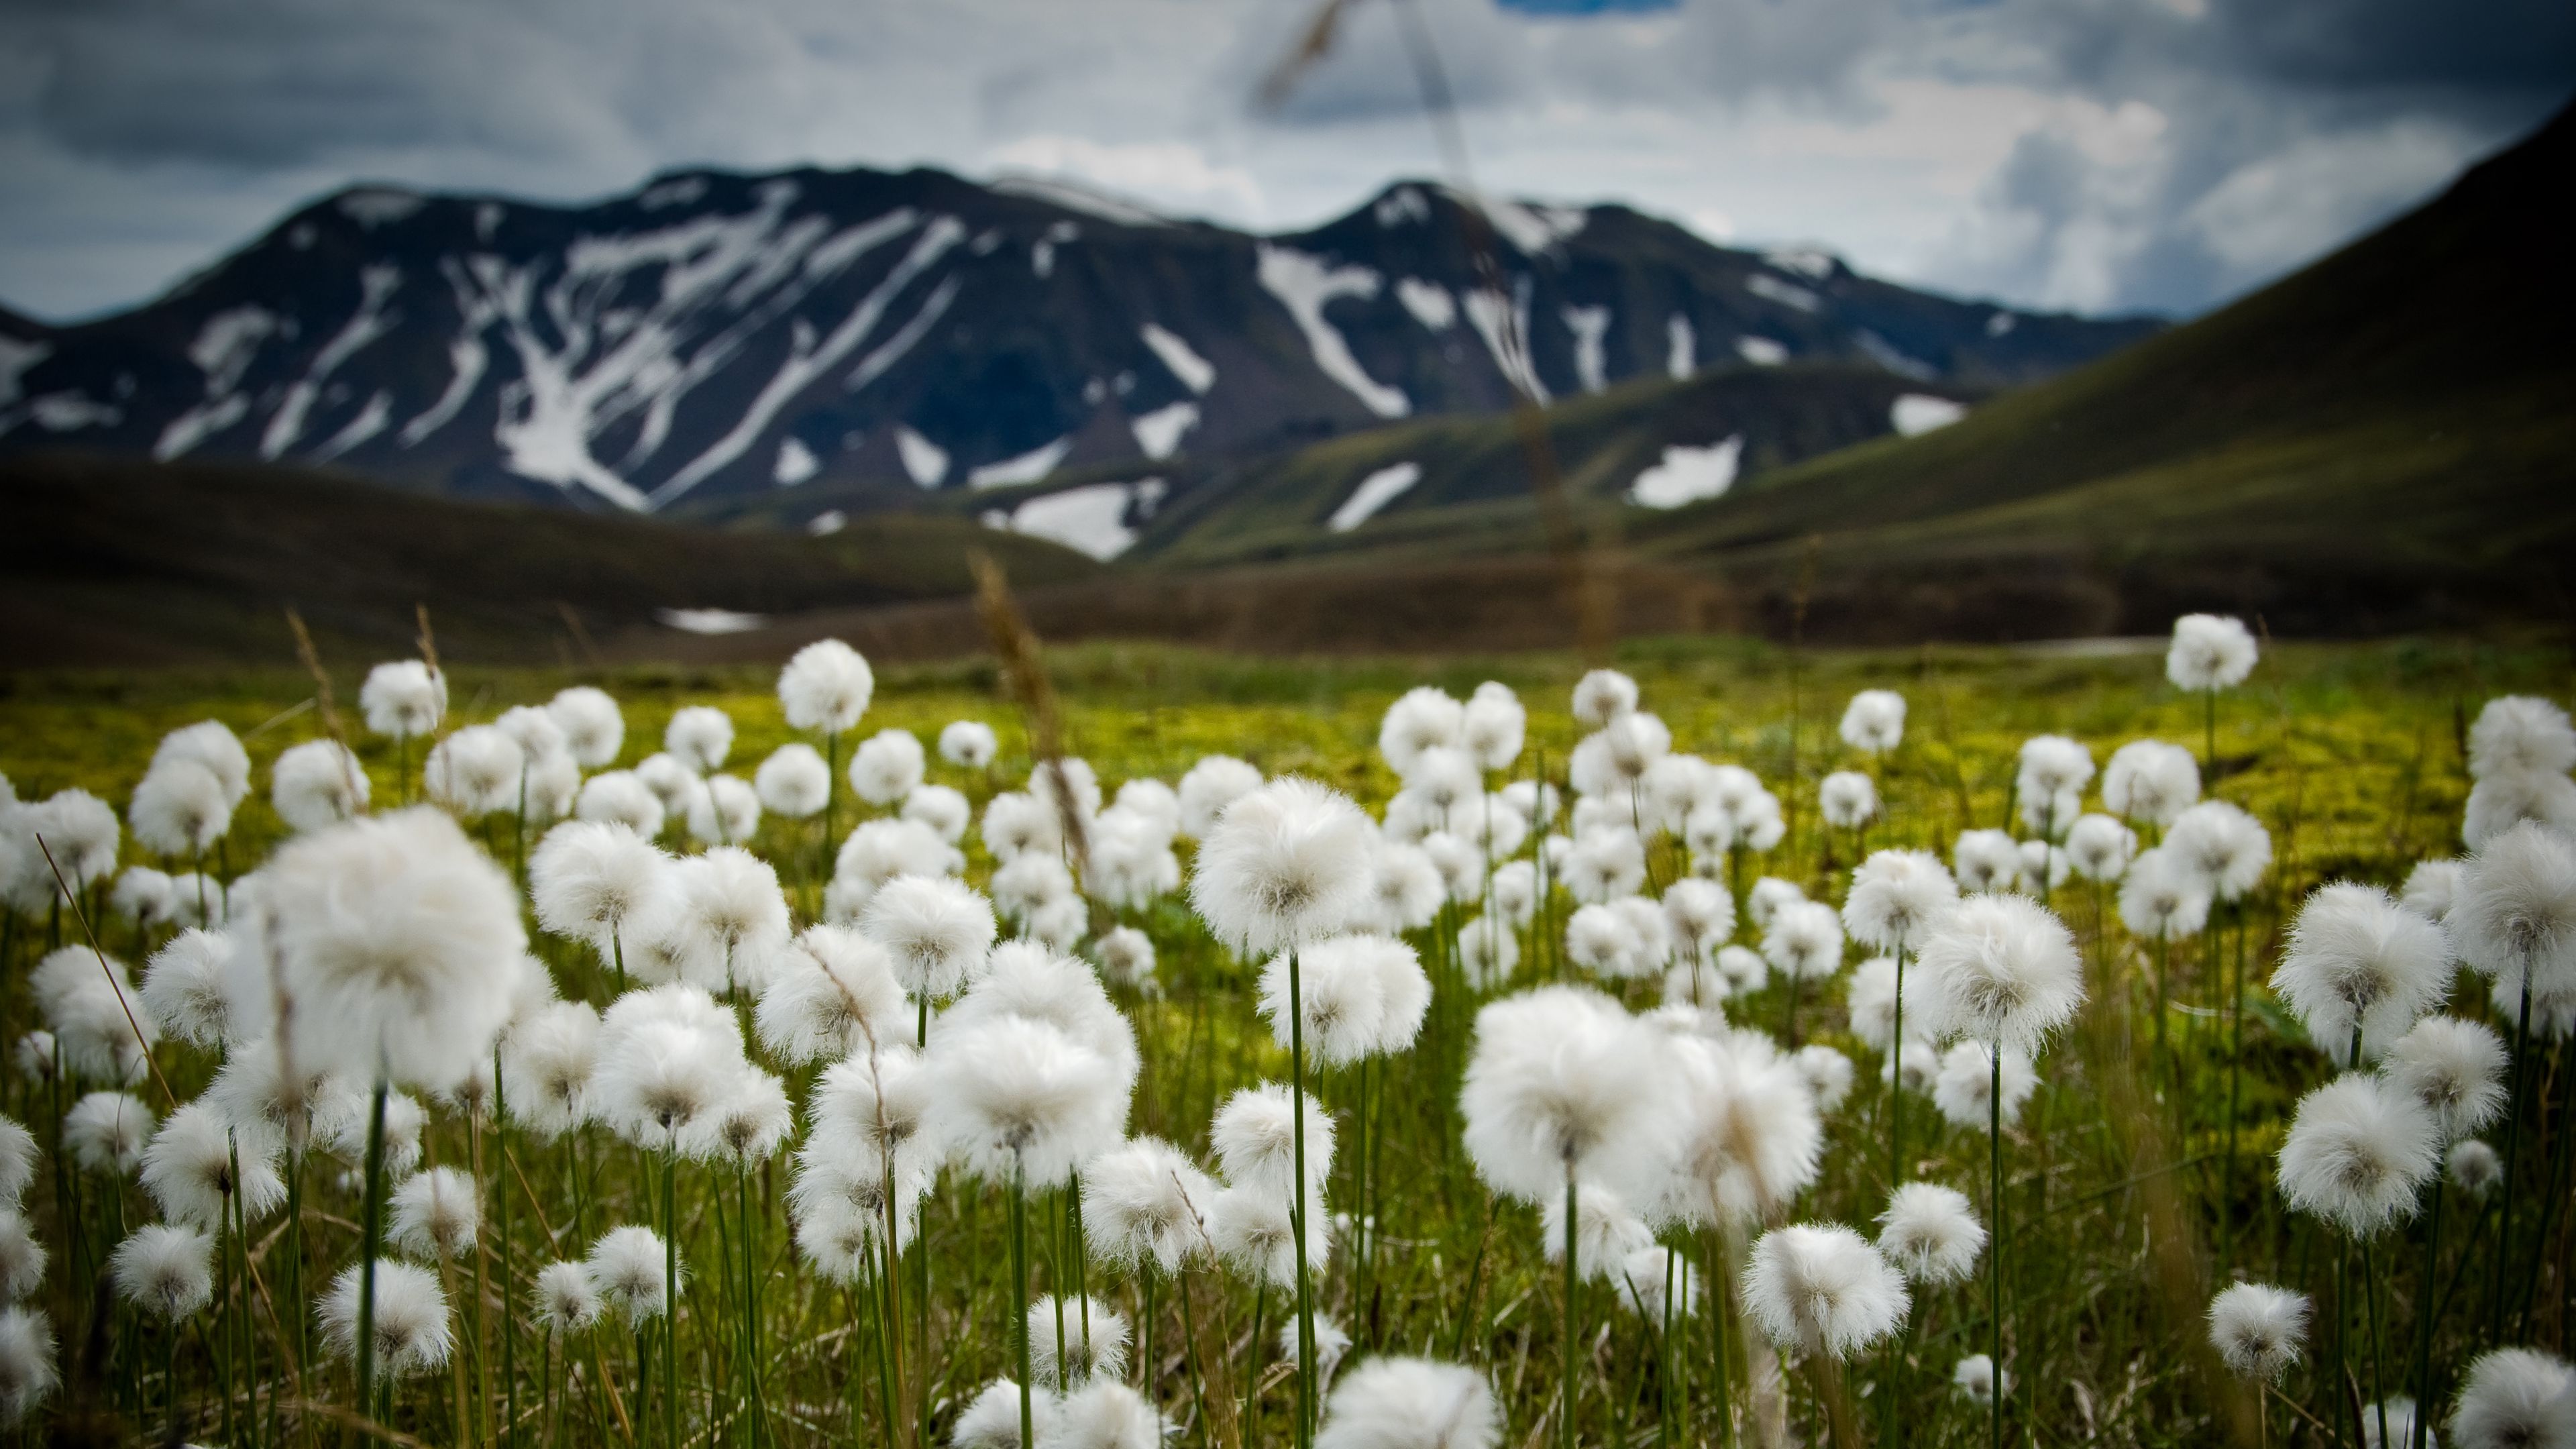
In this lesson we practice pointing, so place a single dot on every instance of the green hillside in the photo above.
(115, 562)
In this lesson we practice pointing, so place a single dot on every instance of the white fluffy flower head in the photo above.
(1821, 1288)
(2209, 652)
(1287, 863)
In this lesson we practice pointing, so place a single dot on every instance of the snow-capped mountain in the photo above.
(714, 335)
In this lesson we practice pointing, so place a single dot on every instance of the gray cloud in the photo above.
(2115, 154)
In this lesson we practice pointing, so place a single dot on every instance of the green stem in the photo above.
(1305, 1366)
(1020, 1295)
(2512, 1161)
(1571, 1327)
(1995, 1244)
(371, 1241)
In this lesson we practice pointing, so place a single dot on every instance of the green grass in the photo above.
(2350, 755)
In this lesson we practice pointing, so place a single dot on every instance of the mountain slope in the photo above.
(2396, 417)
(106, 562)
(855, 338)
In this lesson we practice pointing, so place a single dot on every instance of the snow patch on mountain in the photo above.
(223, 351)
(1887, 355)
(17, 354)
(1076, 198)
(1681, 346)
(1914, 414)
(1687, 475)
(1772, 289)
(1401, 205)
(2000, 323)
(1376, 491)
(1429, 302)
(1811, 262)
(1505, 328)
(370, 421)
(1303, 284)
(678, 191)
(1761, 351)
(1091, 518)
(924, 461)
(1195, 372)
(796, 463)
(375, 286)
(1028, 467)
(1159, 432)
(1534, 229)
(710, 621)
(379, 206)
(1589, 325)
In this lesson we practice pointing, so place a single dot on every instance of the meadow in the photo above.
(2135, 1176)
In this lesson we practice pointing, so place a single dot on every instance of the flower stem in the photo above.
(1565, 1388)
(2512, 1160)
(1020, 1294)
(370, 1240)
(1995, 1244)
(1305, 1366)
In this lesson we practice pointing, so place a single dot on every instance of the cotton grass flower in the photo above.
(666, 1059)
(1145, 1203)
(991, 1420)
(1105, 1414)
(1603, 866)
(2099, 848)
(944, 810)
(1874, 722)
(1964, 1091)
(1094, 1339)
(726, 812)
(2051, 768)
(2356, 1152)
(2516, 1398)
(564, 1301)
(2150, 780)
(1493, 726)
(2360, 968)
(437, 1213)
(1804, 941)
(185, 992)
(834, 993)
(2226, 849)
(1563, 1085)
(397, 940)
(2430, 888)
(2498, 803)
(2455, 1068)
(165, 1269)
(143, 897)
(826, 686)
(403, 699)
(1974, 1378)
(2397, 1414)
(22, 1258)
(1287, 863)
(2515, 908)
(699, 737)
(594, 729)
(1421, 719)
(1016, 824)
(189, 1169)
(620, 797)
(1988, 862)
(1601, 696)
(1828, 1074)
(1847, 799)
(2521, 735)
(1821, 1288)
(1410, 1403)
(2001, 969)
(548, 1061)
(100, 1025)
(629, 1269)
(1602, 941)
(2209, 652)
(886, 766)
(1931, 1233)
(589, 878)
(28, 1376)
(1211, 785)
(1022, 1099)
(180, 809)
(1254, 1135)
(729, 915)
(316, 785)
(1342, 1003)
(107, 1132)
(2474, 1167)
(475, 772)
(1606, 1232)
(2162, 898)
(17, 1160)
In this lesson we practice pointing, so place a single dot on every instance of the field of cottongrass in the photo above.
(603, 1018)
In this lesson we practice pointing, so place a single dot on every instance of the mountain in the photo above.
(118, 562)
(846, 341)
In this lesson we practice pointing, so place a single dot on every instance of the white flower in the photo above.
(397, 941)
(2051, 766)
(1606, 1231)
(2226, 849)
(107, 1132)
(1641, 1285)
(1822, 1289)
(1931, 1233)
(1095, 1340)
(1146, 1202)
(2356, 1153)
(1016, 824)
(1874, 721)
(1988, 861)
(437, 1213)
(1699, 913)
(943, 809)
(2000, 968)
(1127, 957)
(189, 1168)
(1964, 1090)
(2162, 898)
(1421, 719)
(1974, 1378)
(1603, 866)
(179, 810)
(1408, 887)
(968, 743)
(1287, 863)
(1256, 1234)
(2521, 735)
(1847, 799)
(2474, 1167)
(475, 772)
(834, 994)
(2498, 803)
(1601, 940)
(142, 897)
(2209, 652)
(699, 737)
(1106, 1414)
(166, 1269)
(28, 1376)
(886, 766)
(594, 730)
(411, 1328)
(1016, 1094)
(2150, 780)
(1804, 941)
(1828, 1074)
(1410, 1403)
(564, 1299)
(2358, 961)
(728, 915)
(548, 1061)
(1488, 952)
(218, 750)
(2099, 847)
(1342, 996)
(22, 1258)
(726, 812)
(1494, 726)
(1211, 785)
(2516, 909)
(825, 686)
(629, 1269)
(1564, 1085)
(403, 698)
(620, 797)
(17, 1160)
(184, 988)
(100, 1023)
(1254, 1135)
(589, 878)
(2430, 887)
(1602, 696)
(666, 1060)
(2397, 1412)
(1744, 968)
(2516, 1398)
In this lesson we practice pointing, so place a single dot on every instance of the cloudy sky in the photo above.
(2092, 154)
